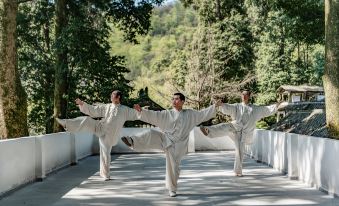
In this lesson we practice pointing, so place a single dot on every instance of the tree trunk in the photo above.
(331, 73)
(61, 70)
(48, 93)
(13, 100)
(217, 10)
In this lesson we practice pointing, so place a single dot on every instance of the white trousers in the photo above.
(87, 124)
(154, 139)
(227, 129)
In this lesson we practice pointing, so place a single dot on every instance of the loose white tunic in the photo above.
(173, 138)
(107, 129)
(245, 117)
(241, 129)
(113, 119)
(175, 124)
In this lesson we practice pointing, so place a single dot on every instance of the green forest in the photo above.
(195, 49)
(202, 48)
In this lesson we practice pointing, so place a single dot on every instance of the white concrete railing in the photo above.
(203, 143)
(17, 162)
(309, 159)
(312, 160)
(27, 159)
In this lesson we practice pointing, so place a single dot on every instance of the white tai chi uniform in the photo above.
(240, 130)
(173, 138)
(107, 129)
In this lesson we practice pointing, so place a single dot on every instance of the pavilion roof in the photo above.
(302, 88)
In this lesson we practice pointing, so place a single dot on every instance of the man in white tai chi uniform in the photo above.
(240, 130)
(107, 129)
(175, 126)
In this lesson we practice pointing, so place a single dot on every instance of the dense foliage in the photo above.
(218, 48)
(89, 69)
(203, 48)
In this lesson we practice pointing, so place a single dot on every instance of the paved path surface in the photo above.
(138, 179)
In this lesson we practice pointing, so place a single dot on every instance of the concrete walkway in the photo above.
(138, 179)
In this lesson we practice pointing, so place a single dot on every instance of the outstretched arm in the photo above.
(265, 111)
(131, 114)
(157, 118)
(205, 114)
(92, 111)
(229, 109)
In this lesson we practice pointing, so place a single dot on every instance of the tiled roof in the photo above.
(299, 106)
(312, 123)
(302, 88)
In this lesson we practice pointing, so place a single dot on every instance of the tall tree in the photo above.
(61, 65)
(35, 55)
(132, 17)
(331, 75)
(273, 62)
(289, 37)
(221, 49)
(13, 105)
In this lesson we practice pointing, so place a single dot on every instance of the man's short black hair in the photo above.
(118, 93)
(246, 90)
(181, 96)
